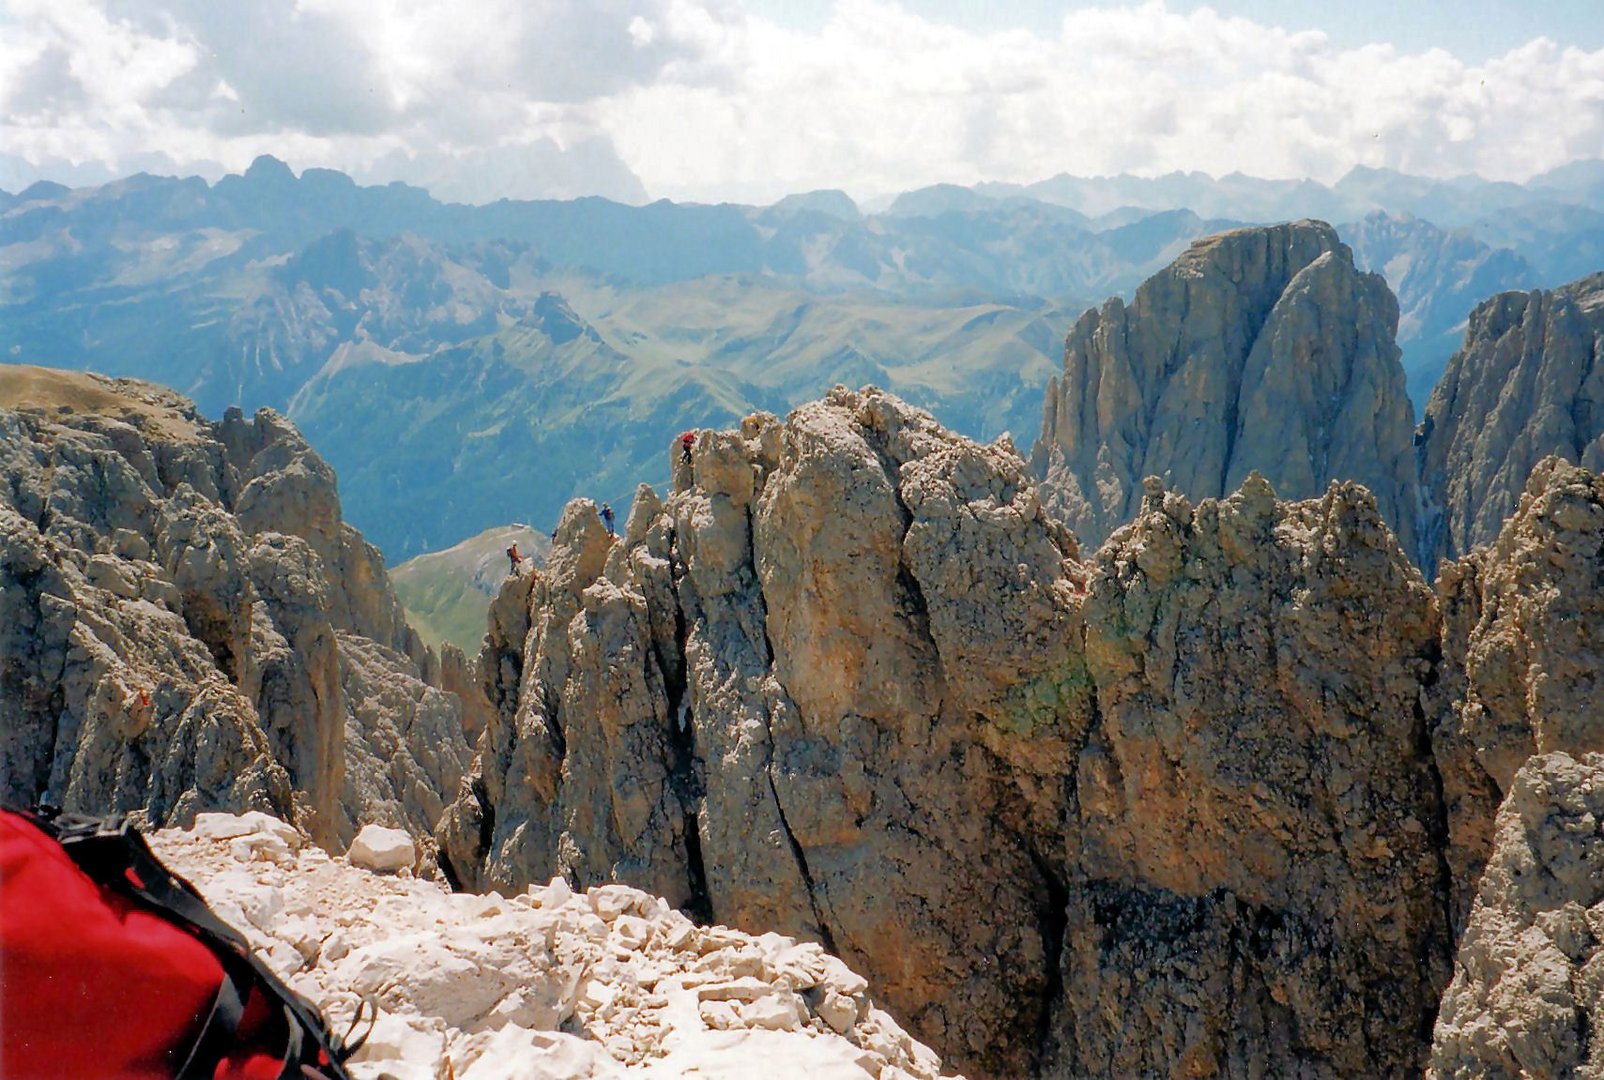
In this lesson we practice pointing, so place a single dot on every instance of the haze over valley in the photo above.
(446, 353)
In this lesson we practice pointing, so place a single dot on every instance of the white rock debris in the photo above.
(550, 984)
(379, 848)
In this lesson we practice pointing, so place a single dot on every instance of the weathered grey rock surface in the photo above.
(186, 623)
(1528, 383)
(1528, 990)
(845, 649)
(1262, 349)
(1523, 654)
(1214, 800)
(1203, 803)
(1256, 890)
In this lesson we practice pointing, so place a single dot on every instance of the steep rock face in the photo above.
(1525, 385)
(850, 681)
(1261, 349)
(1527, 995)
(1523, 654)
(1255, 889)
(844, 650)
(189, 625)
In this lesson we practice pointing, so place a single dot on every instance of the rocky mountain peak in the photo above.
(785, 676)
(850, 660)
(1258, 349)
(266, 169)
(1219, 797)
(187, 623)
(1525, 385)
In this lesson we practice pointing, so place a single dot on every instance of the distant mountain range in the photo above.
(488, 362)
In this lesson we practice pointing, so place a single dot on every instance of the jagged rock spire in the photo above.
(1260, 349)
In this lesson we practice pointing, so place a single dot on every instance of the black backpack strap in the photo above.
(217, 1037)
(114, 853)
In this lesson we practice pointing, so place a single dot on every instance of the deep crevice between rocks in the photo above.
(1054, 924)
(1438, 835)
(826, 938)
(1584, 1018)
(685, 780)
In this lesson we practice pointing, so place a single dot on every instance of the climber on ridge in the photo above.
(607, 518)
(686, 441)
(513, 558)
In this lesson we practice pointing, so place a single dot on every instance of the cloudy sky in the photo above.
(751, 99)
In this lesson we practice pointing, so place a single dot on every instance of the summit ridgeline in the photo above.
(1236, 794)
(1210, 800)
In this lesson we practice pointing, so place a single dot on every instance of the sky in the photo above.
(748, 100)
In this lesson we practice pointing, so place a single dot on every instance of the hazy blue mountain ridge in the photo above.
(1438, 276)
(498, 359)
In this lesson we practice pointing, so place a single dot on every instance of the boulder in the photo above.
(380, 849)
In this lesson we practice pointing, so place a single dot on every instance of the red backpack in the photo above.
(112, 966)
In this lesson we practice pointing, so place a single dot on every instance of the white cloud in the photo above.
(883, 100)
(701, 99)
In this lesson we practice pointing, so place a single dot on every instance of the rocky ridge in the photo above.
(1259, 349)
(605, 984)
(791, 643)
(187, 624)
(1255, 801)
(850, 660)
(1524, 385)
(1217, 797)
(1523, 655)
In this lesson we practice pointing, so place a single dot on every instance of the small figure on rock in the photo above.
(607, 518)
(513, 558)
(686, 441)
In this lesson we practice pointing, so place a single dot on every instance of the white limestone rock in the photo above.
(382, 849)
(549, 984)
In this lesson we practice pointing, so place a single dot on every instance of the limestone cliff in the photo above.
(1255, 888)
(1527, 995)
(1526, 384)
(1214, 800)
(187, 624)
(1259, 350)
(1523, 654)
(844, 650)
(1171, 810)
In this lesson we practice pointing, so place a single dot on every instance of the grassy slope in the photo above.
(447, 593)
(514, 424)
